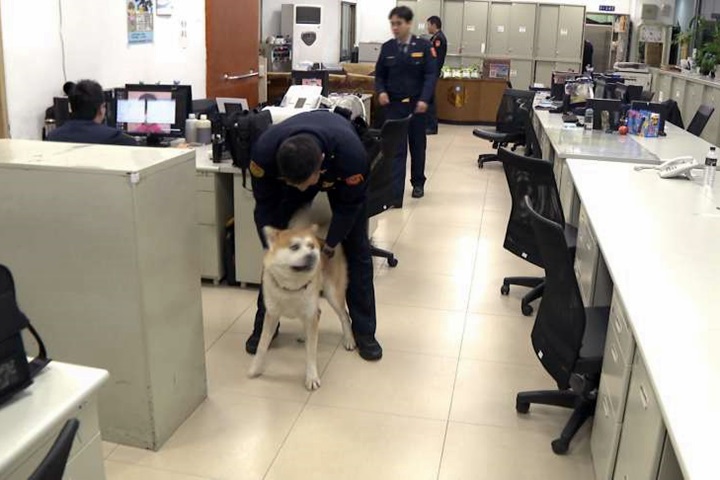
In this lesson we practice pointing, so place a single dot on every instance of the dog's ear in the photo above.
(271, 234)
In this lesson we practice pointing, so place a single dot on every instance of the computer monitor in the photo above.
(557, 87)
(659, 108)
(153, 110)
(231, 105)
(600, 105)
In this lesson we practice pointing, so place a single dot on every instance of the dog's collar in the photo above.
(277, 284)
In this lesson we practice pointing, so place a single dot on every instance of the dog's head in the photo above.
(293, 251)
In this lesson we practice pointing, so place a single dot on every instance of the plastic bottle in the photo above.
(710, 166)
(204, 130)
(589, 114)
(191, 129)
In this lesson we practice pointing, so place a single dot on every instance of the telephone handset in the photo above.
(677, 167)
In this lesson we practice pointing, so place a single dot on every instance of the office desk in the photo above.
(658, 238)
(33, 418)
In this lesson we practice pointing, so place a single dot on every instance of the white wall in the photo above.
(95, 36)
(372, 21)
(330, 40)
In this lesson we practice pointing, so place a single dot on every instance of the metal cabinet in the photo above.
(213, 208)
(543, 72)
(546, 41)
(521, 73)
(643, 430)
(590, 269)
(711, 96)
(571, 25)
(669, 465)
(474, 31)
(692, 101)
(499, 29)
(422, 10)
(453, 25)
(521, 38)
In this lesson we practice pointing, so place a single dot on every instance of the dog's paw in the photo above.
(255, 370)
(349, 343)
(312, 383)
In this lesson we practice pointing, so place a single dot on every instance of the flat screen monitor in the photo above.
(659, 108)
(614, 109)
(159, 110)
(231, 105)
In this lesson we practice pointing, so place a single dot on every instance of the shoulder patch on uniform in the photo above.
(256, 170)
(355, 180)
(437, 43)
(417, 54)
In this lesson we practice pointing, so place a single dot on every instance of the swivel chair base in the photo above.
(583, 406)
(537, 285)
(386, 254)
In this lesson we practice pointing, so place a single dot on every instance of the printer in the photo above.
(634, 73)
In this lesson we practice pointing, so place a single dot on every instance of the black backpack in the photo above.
(16, 373)
(242, 129)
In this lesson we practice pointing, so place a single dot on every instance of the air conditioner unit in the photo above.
(656, 12)
(303, 24)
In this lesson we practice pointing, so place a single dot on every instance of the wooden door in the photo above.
(232, 43)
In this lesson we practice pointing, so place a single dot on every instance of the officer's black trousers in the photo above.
(432, 121)
(361, 291)
(418, 142)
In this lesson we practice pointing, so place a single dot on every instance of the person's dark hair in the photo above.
(402, 12)
(298, 158)
(68, 87)
(86, 99)
(435, 20)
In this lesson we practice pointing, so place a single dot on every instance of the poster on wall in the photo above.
(140, 21)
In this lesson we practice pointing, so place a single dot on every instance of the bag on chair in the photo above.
(16, 373)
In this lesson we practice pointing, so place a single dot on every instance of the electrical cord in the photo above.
(62, 42)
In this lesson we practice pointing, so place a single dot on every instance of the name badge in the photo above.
(417, 54)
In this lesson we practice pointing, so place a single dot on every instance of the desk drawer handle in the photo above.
(644, 397)
(618, 323)
(613, 353)
(606, 407)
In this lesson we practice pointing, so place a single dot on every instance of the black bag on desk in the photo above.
(242, 129)
(16, 373)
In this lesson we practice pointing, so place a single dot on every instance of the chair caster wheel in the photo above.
(480, 164)
(560, 446)
(526, 309)
(505, 289)
(392, 262)
(521, 407)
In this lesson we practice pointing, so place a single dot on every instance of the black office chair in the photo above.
(534, 177)
(381, 196)
(53, 465)
(567, 338)
(701, 118)
(512, 118)
(647, 96)
(532, 143)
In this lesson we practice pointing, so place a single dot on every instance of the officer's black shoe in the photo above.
(418, 192)
(368, 347)
(431, 131)
(253, 340)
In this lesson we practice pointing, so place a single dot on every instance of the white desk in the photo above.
(659, 240)
(32, 420)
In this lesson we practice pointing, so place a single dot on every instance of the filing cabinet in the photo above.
(422, 10)
(521, 39)
(669, 465)
(590, 268)
(561, 32)
(643, 431)
(213, 209)
(546, 41)
(544, 69)
(452, 18)
(521, 73)
(474, 28)
(499, 31)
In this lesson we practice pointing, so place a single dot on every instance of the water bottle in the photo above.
(589, 114)
(191, 129)
(204, 130)
(710, 166)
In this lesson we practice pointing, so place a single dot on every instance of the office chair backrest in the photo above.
(53, 465)
(532, 143)
(557, 334)
(531, 177)
(697, 124)
(514, 110)
(380, 183)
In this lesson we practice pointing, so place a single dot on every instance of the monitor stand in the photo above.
(154, 140)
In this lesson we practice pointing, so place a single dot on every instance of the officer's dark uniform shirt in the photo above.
(439, 43)
(87, 131)
(344, 173)
(406, 75)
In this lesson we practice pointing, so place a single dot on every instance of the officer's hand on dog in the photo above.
(384, 99)
(421, 107)
(329, 252)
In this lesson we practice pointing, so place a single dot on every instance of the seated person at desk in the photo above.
(86, 120)
(293, 161)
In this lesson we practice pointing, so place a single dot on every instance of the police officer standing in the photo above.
(293, 161)
(439, 44)
(405, 77)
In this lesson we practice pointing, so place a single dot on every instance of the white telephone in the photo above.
(677, 167)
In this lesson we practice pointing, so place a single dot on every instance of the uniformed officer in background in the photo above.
(439, 43)
(293, 161)
(405, 77)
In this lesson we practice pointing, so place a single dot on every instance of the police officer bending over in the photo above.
(293, 161)
(405, 77)
(87, 103)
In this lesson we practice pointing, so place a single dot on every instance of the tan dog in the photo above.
(294, 274)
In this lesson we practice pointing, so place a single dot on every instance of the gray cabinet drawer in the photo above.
(586, 256)
(669, 465)
(615, 375)
(205, 182)
(205, 208)
(619, 325)
(605, 438)
(210, 258)
(643, 430)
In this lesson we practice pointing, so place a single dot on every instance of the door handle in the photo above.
(227, 77)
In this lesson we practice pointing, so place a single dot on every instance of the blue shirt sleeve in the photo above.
(430, 74)
(381, 73)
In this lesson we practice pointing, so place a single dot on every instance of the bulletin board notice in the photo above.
(140, 21)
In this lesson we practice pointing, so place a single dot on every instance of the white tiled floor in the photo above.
(439, 405)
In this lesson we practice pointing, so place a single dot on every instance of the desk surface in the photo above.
(659, 239)
(580, 144)
(33, 413)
